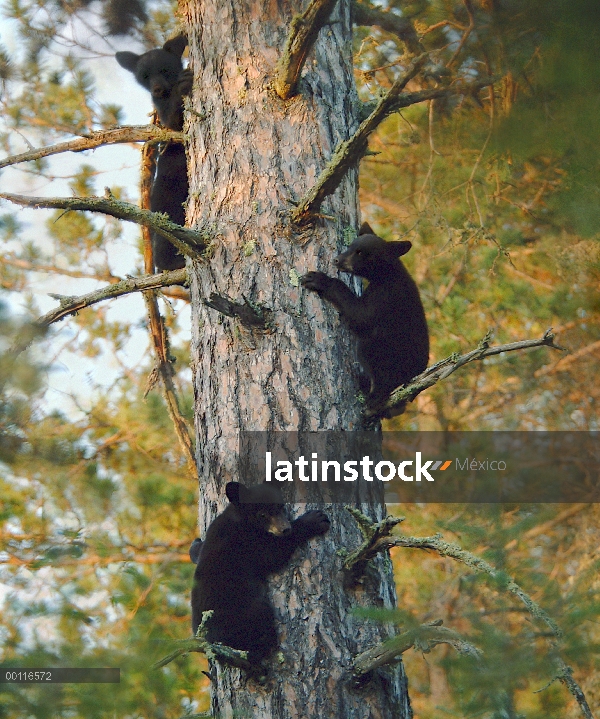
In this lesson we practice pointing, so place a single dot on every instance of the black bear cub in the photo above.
(161, 72)
(251, 539)
(388, 319)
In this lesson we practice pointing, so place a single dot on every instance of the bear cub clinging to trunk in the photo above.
(388, 319)
(161, 72)
(251, 539)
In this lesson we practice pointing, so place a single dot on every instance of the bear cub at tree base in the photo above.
(251, 539)
(388, 319)
(161, 72)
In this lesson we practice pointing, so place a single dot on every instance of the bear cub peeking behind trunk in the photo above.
(161, 72)
(246, 543)
(388, 319)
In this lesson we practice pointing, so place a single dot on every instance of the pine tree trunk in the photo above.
(250, 156)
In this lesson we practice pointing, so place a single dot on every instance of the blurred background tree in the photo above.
(498, 193)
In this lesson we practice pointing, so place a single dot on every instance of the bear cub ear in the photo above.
(365, 229)
(399, 248)
(176, 45)
(233, 490)
(128, 60)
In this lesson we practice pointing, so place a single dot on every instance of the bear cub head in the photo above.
(260, 507)
(157, 70)
(369, 255)
(161, 72)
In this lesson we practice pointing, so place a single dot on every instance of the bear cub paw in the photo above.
(316, 281)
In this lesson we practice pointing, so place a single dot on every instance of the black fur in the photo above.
(246, 543)
(388, 319)
(161, 72)
(123, 16)
(168, 194)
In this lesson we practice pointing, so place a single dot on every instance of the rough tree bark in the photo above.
(251, 155)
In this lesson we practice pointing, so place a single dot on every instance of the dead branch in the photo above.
(72, 305)
(565, 676)
(164, 369)
(234, 657)
(375, 536)
(349, 152)
(423, 638)
(189, 242)
(365, 14)
(158, 331)
(444, 368)
(251, 315)
(118, 135)
(231, 656)
(304, 29)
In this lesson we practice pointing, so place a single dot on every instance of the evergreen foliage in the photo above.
(498, 193)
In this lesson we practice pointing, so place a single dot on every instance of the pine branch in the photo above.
(468, 30)
(118, 135)
(448, 549)
(423, 638)
(376, 538)
(349, 152)
(565, 362)
(304, 29)
(72, 305)
(189, 242)
(177, 292)
(446, 367)
(199, 643)
(565, 676)
(147, 173)
(558, 519)
(365, 14)
(478, 565)
(234, 657)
